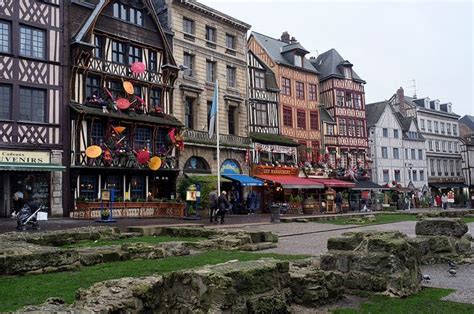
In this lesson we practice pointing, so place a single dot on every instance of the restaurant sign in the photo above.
(270, 170)
(24, 157)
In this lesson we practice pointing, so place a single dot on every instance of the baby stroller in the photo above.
(27, 216)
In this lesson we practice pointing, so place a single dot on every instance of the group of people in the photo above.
(441, 201)
(218, 206)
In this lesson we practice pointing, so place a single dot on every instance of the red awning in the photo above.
(334, 183)
(292, 182)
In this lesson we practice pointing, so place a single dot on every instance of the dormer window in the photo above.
(128, 14)
(298, 61)
(348, 73)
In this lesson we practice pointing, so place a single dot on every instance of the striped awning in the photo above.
(30, 167)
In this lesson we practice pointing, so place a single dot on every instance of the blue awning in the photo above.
(243, 179)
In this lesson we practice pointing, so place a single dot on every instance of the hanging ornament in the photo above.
(118, 129)
(138, 67)
(93, 151)
(128, 87)
(154, 163)
(123, 103)
(107, 157)
(143, 157)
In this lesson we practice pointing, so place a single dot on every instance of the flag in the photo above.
(213, 113)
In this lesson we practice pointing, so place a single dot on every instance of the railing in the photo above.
(80, 159)
(202, 137)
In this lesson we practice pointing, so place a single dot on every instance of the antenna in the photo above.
(413, 87)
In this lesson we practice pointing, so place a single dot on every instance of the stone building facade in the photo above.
(209, 46)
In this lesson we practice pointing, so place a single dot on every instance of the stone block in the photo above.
(346, 242)
(463, 245)
(441, 226)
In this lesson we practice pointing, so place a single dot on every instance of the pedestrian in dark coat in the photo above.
(213, 206)
(223, 205)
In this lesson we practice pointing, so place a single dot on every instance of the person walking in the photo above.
(18, 203)
(444, 201)
(339, 202)
(223, 205)
(438, 200)
(213, 206)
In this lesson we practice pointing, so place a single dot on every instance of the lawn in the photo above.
(427, 301)
(468, 219)
(379, 219)
(18, 291)
(146, 239)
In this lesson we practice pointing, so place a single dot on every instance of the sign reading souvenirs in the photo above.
(24, 157)
(287, 171)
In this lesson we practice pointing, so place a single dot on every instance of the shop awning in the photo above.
(292, 182)
(448, 185)
(368, 185)
(243, 179)
(334, 183)
(30, 167)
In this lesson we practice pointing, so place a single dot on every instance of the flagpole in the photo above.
(217, 137)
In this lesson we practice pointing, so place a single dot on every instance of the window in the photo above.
(313, 120)
(299, 90)
(437, 146)
(347, 73)
(351, 128)
(114, 183)
(348, 99)
(406, 153)
(422, 175)
(189, 64)
(458, 168)
(128, 14)
(432, 167)
(4, 37)
(99, 46)
(385, 132)
(420, 154)
(5, 101)
(455, 130)
(360, 128)
(435, 124)
(120, 11)
(188, 26)
(142, 138)
(357, 101)
(188, 113)
(92, 85)
(261, 117)
(441, 124)
(231, 120)
(451, 167)
(230, 41)
(155, 99)
(160, 142)
(413, 154)
(430, 145)
(315, 150)
(152, 61)
(397, 175)
(395, 133)
(287, 116)
(330, 129)
(231, 77)
(448, 128)
(301, 119)
(118, 52)
(210, 34)
(450, 147)
(429, 125)
(396, 153)
(342, 127)
(409, 174)
(285, 86)
(312, 92)
(134, 54)
(88, 187)
(386, 177)
(443, 145)
(32, 104)
(137, 190)
(97, 133)
(259, 79)
(445, 167)
(298, 61)
(438, 164)
(384, 152)
(422, 124)
(340, 98)
(138, 90)
(32, 42)
(116, 88)
(210, 71)
(415, 176)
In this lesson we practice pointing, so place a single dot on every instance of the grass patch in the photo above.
(468, 219)
(379, 219)
(146, 239)
(19, 291)
(427, 301)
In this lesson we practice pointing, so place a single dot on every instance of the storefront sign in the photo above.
(285, 171)
(230, 166)
(277, 149)
(24, 157)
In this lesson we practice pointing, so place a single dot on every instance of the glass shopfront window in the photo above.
(137, 190)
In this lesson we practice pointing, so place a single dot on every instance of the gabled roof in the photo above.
(270, 79)
(405, 123)
(276, 49)
(468, 121)
(331, 64)
(325, 116)
(374, 112)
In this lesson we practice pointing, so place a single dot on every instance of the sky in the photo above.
(390, 43)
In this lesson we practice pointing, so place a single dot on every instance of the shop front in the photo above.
(36, 174)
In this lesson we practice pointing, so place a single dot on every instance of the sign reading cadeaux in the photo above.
(24, 157)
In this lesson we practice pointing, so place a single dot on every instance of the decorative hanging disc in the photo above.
(122, 103)
(93, 151)
(138, 67)
(119, 129)
(143, 157)
(154, 163)
(128, 87)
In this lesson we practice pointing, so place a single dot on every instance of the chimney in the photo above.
(285, 37)
(401, 101)
(293, 40)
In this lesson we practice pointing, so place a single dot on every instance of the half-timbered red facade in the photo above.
(32, 101)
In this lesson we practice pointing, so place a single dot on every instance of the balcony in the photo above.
(79, 159)
(227, 140)
(330, 140)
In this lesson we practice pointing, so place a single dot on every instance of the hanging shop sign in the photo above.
(277, 149)
(269, 170)
(24, 157)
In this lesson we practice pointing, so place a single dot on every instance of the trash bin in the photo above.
(275, 213)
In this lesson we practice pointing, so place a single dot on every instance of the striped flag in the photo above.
(213, 113)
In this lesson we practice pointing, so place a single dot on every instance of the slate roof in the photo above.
(270, 79)
(468, 121)
(273, 139)
(374, 112)
(329, 64)
(405, 122)
(277, 50)
(325, 115)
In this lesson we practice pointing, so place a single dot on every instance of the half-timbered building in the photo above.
(298, 83)
(32, 98)
(123, 137)
(342, 93)
(269, 146)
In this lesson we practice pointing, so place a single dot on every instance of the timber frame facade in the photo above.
(298, 82)
(32, 97)
(107, 38)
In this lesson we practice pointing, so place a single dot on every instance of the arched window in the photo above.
(196, 164)
(231, 166)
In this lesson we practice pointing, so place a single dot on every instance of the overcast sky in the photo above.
(390, 43)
